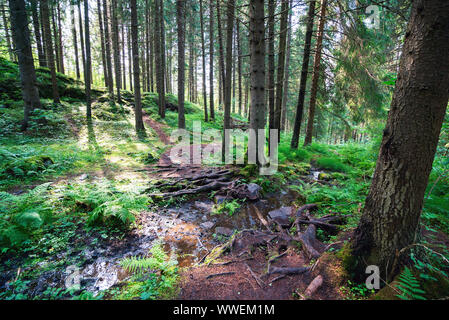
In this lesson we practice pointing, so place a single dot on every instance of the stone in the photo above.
(253, 191)
(219, 199)
(207, 225)
(204, 206)
(281, 215)
(223, 231)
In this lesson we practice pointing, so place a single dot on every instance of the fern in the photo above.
(409, 286)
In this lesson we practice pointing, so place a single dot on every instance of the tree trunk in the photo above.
(75, 41)
(102, 41)
(271, 70)
(21, 38)
(239, 66)
(37, 34)
(211, 59)
(162, 51)
(281, 65)
(158, 56)
(88, 71)
(206, 118)
(390, 220)
(135, 51)
(49, 48)
(316, 74)
(116, 49)
(286, 72)
(83, 52)
(130, 60)
(107, 39)
(180, 19)
(257, 70)
(7, 36)
(55, 34)
(61, 48)
(304, 74)
(221, 54)
(123, 54)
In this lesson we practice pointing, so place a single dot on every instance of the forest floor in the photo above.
(93, 211)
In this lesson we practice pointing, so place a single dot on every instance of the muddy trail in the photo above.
(251, 254)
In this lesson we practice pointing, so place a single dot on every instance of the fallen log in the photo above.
(308, 241)
(313, 286)
(287, 270)
(212, 186)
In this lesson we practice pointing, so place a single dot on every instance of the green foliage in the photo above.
(409, 286)
(331, 163)
(228, 207)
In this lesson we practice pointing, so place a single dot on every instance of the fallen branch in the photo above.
(287, 271)
(313, 286)
(259, 282)
(220, 274)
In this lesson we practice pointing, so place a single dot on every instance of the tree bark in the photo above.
(304, 74)
(390, 220)
(135, 52)
(163, 63)
(107, 38)
(55, 34)
(239, 67)
(130, 59)
(206, 118)
(257, 70)
(281, 66)
(271, 70)
(7, 36)
(61, 48)
(21, 38)
(37, 34)
(102, 41)
(211, 58)
(221, 54)
(180, 19)
(83, 52)
(49, 48)
(75, 41)
(88, 70)
(116, 49)
(286, 72)
(316, 74)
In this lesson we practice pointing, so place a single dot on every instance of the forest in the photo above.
(224, 150)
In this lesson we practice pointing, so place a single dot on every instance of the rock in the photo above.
(323, 176)
(219, 199)
(207, 225)
(204, 206)
(253, 191)
(281, 216)
(84, 176)
(224, 231)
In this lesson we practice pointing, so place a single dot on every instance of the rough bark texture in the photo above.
(49, 48)
(392, 210)
(257, 67)
(135, 52)
(316, 74)
(304, 73)
(21, 37)
(271, 70)
(180, 17)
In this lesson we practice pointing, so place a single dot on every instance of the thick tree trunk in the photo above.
(37, 34)
(102, 41)
(304, 74)
(316, 74)
(135, 52)
(390, 220)
(163, 63)
(180, 19)
(88, 71)
(257, 70)
(21, 38)
(75, 41)
(158, 56)
(107, 38)
(55, 34)
(281, 66)
(49, 48)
